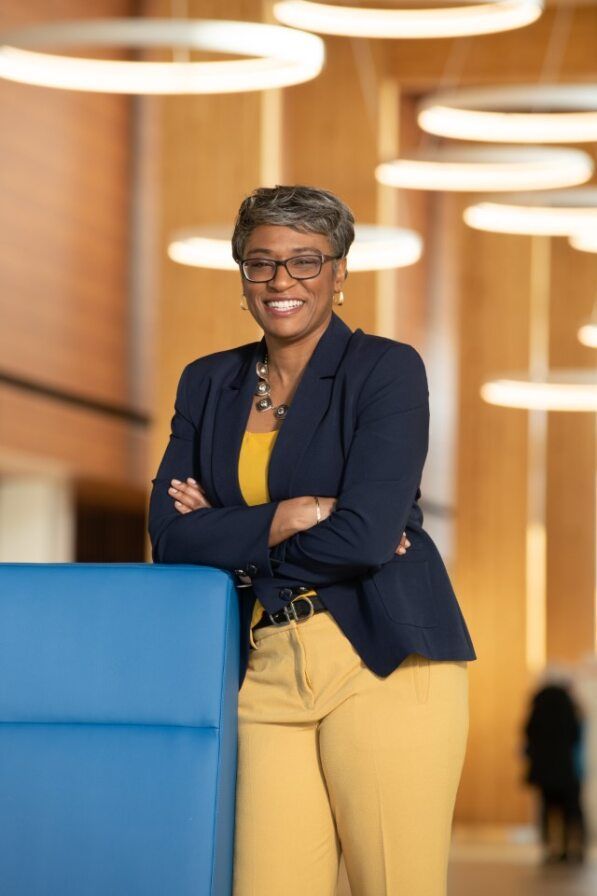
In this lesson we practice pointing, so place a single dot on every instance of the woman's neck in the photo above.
(287, 360)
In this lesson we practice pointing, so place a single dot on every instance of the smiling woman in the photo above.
(298, 461)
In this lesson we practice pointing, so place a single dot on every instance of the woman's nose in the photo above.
(282, 278)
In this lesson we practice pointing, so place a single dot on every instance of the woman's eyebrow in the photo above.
(294, 249)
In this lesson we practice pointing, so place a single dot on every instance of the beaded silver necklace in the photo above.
(264, 389)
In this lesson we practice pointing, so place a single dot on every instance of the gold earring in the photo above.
(244, 307)
(340, 298)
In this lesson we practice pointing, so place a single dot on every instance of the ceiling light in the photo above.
(428, 21)
(562, 390)
(534, 113)
(587, 334)
(556, 213)
(498, 168)
(584, 241)
(285, 56)
(374, 248)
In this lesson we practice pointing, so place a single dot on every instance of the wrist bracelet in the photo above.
(318, 508)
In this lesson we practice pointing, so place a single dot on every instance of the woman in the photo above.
(353, 706)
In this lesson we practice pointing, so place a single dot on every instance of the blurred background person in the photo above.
(554, 747)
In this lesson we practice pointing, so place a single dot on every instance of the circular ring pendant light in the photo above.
(284, 56)
(495, 169)
(203, 247)
(427, 20)
(375, 248)
(584, 241)
(561, 390)
(534, 113)
(587, 333)
(557, 213)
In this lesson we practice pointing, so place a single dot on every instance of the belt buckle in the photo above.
(291, 609)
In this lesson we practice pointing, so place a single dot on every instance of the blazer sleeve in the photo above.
(381, 480)
(226, 537)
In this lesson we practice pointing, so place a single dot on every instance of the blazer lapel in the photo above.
(311, 401)
(309, 405)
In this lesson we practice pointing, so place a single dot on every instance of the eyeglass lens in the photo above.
(301, 267)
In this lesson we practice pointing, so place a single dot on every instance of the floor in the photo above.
(507, 863)
(507, 879)
(513, 868)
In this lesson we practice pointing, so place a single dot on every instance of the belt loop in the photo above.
(251, 638)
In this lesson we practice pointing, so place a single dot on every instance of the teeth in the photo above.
(283, 305)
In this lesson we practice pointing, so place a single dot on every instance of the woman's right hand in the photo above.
(187, 496)
(403, 546)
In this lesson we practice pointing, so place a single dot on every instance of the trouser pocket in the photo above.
(421, 670)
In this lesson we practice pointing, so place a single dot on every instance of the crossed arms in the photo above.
(380, 481)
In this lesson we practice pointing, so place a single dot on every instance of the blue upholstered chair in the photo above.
(118, 715)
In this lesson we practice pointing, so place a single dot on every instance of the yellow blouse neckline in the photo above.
(272, 432)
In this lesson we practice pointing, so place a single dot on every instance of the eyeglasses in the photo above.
(300, 267)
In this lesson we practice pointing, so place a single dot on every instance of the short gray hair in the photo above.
(306, 209)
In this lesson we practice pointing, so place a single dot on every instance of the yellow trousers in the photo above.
(336, 759)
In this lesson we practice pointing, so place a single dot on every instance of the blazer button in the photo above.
(285, 593)
(252, 570)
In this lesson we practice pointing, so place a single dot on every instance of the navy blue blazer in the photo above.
(357, 428)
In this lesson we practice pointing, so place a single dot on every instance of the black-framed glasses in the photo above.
(299, 267)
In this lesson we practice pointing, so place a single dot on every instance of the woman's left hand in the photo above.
(187, 495)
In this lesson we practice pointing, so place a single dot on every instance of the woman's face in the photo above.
(273, 241)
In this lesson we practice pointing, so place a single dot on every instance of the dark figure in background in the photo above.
(553, 746)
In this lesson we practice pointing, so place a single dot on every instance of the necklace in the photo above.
(264, 389)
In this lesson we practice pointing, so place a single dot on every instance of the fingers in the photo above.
(187, 495)
(328, 505)
(404, 545)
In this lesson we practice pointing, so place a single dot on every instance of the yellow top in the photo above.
(253, 464)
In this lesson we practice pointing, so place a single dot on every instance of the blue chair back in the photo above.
(118, 730)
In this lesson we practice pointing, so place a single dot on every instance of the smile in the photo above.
(283, 306)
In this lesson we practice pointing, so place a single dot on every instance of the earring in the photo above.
(244, 307)
(340, 298)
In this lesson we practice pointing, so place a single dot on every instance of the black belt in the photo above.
(298, 608)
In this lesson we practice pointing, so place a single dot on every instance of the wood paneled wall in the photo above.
(571, 511)
(65, 181)
(209, 159)
(40, 434)
(493, 473)
(328, 122)
(491, 515)
(510, 57)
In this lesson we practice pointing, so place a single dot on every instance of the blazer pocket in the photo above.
(406, 592)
